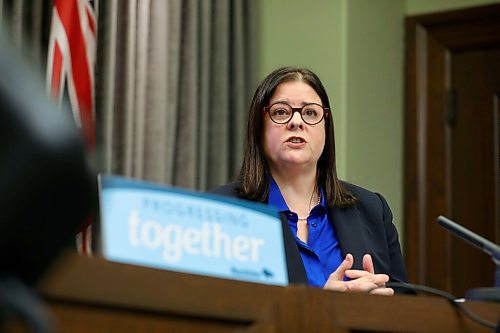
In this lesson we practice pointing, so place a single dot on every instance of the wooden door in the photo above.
(452, 145)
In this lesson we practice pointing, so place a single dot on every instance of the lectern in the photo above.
(93, 295)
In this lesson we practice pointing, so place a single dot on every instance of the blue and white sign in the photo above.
(169, 228)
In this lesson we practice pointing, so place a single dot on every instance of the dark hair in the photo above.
(255, 174)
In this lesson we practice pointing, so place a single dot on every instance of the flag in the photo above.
(70, 70)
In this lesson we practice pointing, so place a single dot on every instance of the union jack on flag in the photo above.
(70, 65)
(71, 60)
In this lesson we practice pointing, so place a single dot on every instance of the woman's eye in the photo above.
(310, 113)
(280, 112)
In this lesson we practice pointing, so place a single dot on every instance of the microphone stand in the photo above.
(490, 248)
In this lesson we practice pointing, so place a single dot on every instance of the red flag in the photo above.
(70, 64)
(71, 60)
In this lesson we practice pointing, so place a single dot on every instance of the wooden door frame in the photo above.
(429, 40)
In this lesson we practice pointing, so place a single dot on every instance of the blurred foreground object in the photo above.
(46, 186)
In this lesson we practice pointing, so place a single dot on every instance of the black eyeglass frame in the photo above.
(326, 113)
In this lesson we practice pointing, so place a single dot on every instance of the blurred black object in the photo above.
(46, 185)
(19, 305)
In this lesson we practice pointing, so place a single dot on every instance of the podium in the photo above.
(93, 295)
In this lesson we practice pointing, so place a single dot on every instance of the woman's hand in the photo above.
(359, 281)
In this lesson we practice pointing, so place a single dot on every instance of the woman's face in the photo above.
(294, 143)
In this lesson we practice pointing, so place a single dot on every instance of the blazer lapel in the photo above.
(350, 233)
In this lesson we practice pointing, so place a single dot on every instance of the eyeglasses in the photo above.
(311, 113)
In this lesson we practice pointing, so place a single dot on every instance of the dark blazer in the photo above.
(364, 228)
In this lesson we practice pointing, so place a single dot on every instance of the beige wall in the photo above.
(293, 34)
(356, 47)
(414, 7)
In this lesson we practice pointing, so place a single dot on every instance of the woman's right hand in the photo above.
(359, 280)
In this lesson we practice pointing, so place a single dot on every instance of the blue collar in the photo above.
(277, 201)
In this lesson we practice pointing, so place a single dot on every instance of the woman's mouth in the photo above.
(296, 139)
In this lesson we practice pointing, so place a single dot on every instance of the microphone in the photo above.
(490, 248)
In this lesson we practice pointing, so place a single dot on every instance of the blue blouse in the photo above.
(321, 255)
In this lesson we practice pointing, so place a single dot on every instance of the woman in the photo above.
(344, 233)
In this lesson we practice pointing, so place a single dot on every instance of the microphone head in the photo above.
(478, 241)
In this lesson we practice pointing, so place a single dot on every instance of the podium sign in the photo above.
(180, 230)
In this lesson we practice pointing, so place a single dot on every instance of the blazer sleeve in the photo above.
(396, 265)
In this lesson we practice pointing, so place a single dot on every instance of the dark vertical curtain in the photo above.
(173, 83)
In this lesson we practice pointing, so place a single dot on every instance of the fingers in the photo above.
(368, 287)
(368, 263)
(377, 278)
(358, 286)
(370, 280)
(339, 273)
(336, 280)
(382, 291)
(360, 280)
(336, 285)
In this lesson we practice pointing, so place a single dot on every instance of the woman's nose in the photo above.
(296, 121)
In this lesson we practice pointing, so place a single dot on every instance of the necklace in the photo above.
(305, 218)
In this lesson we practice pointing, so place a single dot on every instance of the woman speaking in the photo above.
(343, 233)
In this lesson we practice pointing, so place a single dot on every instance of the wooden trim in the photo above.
(429, 40)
